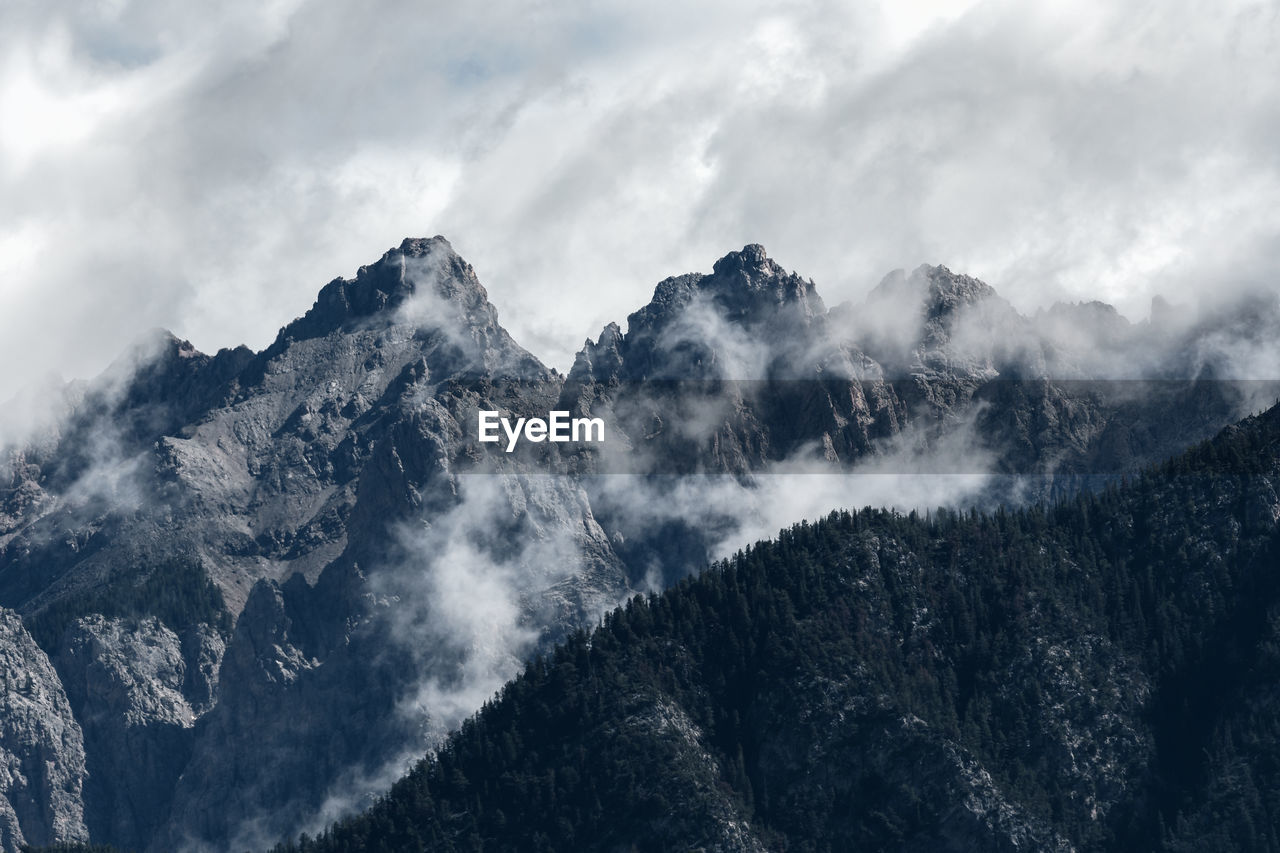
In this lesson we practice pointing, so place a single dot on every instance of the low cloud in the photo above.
(459, 589)
(98, 468)
(473, 591)
(470, 594)
(701, 343)
(914, 470)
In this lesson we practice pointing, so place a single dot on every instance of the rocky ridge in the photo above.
(331, 489)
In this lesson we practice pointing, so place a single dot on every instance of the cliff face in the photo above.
(42, 758)
(270, 580)
(138, 689)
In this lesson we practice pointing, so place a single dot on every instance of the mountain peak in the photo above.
(948, 291)
(694, 322)
(416, 265)
(416, 247)
(748, 282)
(752, 258)
(935, 291)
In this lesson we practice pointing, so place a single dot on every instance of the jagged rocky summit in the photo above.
(264, 583)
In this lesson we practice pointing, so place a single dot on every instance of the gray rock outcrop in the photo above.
(42, 756)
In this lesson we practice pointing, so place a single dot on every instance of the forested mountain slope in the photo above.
(1100, 674)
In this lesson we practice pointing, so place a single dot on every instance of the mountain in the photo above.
(1057, 394)
(1095, 675)
(268, 582)
(745, 371)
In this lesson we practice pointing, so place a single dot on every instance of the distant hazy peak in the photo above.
(948, 291)
(1100, 316)
(1092, 307)
(937, 290)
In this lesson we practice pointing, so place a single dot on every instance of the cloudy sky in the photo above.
(206, 168)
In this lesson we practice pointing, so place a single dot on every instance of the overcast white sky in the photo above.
(207, 167)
